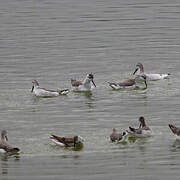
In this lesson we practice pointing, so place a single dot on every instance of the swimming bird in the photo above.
(42, 92)
(4, 147)
(129, 82)
(152, 77)
(118, 137)
(66, 141)
(175, 130)
(142, 131)
(86, 85)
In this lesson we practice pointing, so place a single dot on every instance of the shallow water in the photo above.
(54, 41)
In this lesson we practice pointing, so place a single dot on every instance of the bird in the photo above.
(86, 85)
(118, 137)
(175, 130)
(67, 141)
(42, 92)
(142, 131)
(4, 147)
(129, 83)
(151, 77)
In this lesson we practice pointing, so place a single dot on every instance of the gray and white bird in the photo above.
(86, 85)
(67, 141)
(4, 147)
(129, 83)
(151, 77)
(175, 130)
(118, 137)
(142, 131)
(42, 92)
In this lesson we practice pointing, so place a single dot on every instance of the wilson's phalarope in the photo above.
(129, 82)
(4, 147)
(67, 142)
(42, 92)
(175, 130)
(152, 77)
(84, 85)
(118, 137)
(142, 131)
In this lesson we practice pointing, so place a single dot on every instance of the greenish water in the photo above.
(54, 41)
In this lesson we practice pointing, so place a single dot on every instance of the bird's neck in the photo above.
(86, 81)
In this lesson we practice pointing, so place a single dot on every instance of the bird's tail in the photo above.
(113, 85)
(132, 129)
(64, 92)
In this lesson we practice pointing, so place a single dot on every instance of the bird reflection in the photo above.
(176, 145)
(4, 164)
(4, 158)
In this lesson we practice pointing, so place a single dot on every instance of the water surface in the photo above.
(54, 41)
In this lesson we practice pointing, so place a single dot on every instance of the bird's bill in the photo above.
(32, 89)
(140, 125)
(145, 84)
(135, 71)
(93, 83)
(6, 138)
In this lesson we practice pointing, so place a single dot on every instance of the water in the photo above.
(54, 41)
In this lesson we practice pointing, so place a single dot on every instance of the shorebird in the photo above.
(42, 92)
(129, 82)
(118, 137)
(175, 130)
(86, 85)
(66, 141)
(152, 77)
(142, 131)
(4, 147)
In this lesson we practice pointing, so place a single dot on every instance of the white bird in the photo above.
(151, 77)
(129, 83)
(142, 131)
(86, 85)
(42, 92)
